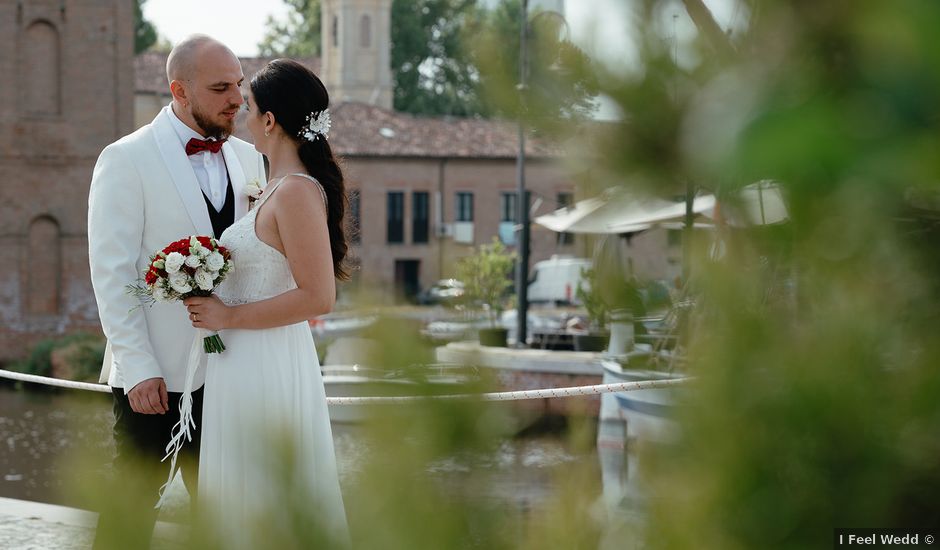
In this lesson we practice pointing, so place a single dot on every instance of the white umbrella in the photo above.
(671, 213)
(597, 215)
(563, 219)
(617, 212)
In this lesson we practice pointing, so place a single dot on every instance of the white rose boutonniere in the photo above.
(253, 191)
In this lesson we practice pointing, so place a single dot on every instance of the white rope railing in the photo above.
(547, 393)
(519, 395)
(57, 382)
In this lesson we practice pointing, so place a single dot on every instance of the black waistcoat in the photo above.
(221, 220)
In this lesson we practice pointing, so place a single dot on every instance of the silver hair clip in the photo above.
(318, 125)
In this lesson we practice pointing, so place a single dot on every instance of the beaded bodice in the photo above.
(261, 271)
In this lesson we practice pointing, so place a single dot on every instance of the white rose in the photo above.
(204, 279)
(180, 283)
(174, 261)
(193, 261)
(252, 189)
(160, 295)
(215, 262)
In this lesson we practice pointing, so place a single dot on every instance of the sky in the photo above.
(237, 23)
(240, 23)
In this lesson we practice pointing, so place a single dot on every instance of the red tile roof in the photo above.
(150, 73)
(360, 129)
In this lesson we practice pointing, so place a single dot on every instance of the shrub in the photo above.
(74, 357)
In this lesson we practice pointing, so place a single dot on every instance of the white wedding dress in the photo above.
(266, 436)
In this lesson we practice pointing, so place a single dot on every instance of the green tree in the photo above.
(487, 275)
(296, 36)
(560, 81)
(432, 70)
(145, 34)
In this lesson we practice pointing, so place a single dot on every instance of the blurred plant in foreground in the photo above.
(813, 344)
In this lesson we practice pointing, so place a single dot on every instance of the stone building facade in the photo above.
(68, 91)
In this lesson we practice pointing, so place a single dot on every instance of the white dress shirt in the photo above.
(208, 166)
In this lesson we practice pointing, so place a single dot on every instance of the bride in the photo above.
(264, 413)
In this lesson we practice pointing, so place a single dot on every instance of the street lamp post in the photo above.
(522, 196)
(522, 267)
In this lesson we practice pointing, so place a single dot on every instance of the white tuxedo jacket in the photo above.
(144, 195)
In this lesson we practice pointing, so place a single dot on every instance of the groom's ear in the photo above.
(179, 92)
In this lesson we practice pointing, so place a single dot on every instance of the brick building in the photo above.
(67, 92)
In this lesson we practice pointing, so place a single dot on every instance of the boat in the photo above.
(649, 413)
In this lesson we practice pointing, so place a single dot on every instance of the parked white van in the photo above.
(556, 280)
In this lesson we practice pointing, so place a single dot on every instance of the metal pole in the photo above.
(522, 267)
(687, 233)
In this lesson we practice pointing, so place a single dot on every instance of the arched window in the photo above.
(365, 31)
(40, 68)
(43, 277)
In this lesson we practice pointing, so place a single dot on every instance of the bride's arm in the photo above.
(300, 215)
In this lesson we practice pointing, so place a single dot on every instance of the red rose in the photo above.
(181, 246)
(205, 241)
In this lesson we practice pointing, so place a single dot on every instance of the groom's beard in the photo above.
(211, 128)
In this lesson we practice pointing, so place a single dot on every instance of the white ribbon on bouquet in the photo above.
(183, 430)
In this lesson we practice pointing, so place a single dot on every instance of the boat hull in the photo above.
(648, 413)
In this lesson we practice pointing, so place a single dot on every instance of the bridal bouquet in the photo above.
(189, 267)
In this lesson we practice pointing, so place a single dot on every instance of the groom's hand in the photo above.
(149, 397)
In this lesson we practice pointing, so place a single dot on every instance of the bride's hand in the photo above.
(208, 313)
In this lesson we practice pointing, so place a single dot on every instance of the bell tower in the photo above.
(356, 50)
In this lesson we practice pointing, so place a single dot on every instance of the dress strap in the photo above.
(314, 180)
(271, 188)
(268, 191)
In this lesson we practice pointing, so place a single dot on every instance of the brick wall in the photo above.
(71, 95)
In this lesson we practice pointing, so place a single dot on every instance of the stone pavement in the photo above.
(26, 525)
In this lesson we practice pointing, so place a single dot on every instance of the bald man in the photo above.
(183, 174)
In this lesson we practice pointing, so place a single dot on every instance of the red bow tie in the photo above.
(199, 145)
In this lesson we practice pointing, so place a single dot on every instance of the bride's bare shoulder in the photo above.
(298, 192)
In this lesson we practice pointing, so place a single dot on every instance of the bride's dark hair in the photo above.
(292, 92)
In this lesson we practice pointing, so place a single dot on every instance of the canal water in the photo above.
(42, 433)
